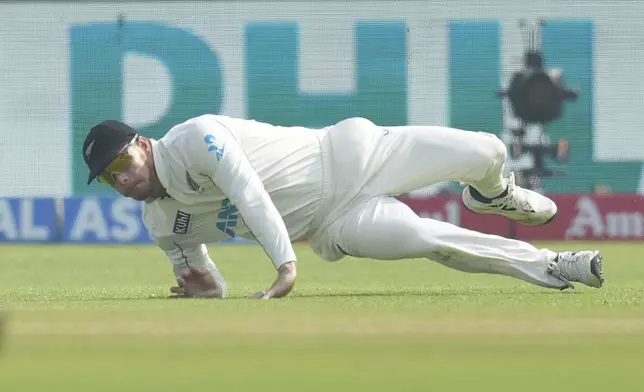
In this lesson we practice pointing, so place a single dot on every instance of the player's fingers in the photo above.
(178, 290)
(181, 281)
(199, 271)
(202, 271)
(258, 295)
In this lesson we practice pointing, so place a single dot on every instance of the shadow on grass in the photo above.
(432, 293)
(319, 294)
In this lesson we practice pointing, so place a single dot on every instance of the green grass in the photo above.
(97, 319)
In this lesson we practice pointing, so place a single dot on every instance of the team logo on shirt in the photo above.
(181, 223)
(193, 184)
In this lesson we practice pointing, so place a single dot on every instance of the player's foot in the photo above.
(521, 205)
(583, 267)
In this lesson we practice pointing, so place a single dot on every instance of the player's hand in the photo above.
(260, 295)
(196, 283)
(286, 275)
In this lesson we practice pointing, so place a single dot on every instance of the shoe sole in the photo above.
(551, 219)
(596, 270)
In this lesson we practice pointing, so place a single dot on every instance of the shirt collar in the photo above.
(159, 167)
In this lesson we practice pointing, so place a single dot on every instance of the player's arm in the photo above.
(214, 151)
(283, 285)
(196, 274)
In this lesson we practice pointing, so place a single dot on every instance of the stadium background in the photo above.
(66, 65)
(94, 314)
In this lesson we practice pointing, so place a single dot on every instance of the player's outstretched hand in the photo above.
(284, 284)
(196, 283)
(260, 295)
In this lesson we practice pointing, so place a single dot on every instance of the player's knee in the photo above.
(413, 236)
(493, 151)
(356, 122)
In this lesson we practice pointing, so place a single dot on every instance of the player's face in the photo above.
(131, 172)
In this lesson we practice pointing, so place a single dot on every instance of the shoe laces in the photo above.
(515, 199)
(566, 266)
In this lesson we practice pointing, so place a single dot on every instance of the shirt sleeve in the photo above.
(183, 257)
(213, 150)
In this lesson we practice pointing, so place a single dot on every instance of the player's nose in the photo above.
(123, 178)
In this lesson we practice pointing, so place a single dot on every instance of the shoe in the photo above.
(522, 205)
(583, 267)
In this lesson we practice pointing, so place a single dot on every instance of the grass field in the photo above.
(97, 319)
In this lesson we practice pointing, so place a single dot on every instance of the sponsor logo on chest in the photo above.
(181, 223)
(227, 218)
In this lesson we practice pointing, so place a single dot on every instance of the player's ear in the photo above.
(144, 143)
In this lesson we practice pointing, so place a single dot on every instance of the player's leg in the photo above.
(386, 229)
(413, 157)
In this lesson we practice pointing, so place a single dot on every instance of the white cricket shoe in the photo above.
(583, 267)
(521, 205)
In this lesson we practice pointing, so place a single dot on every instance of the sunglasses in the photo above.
(120, 164)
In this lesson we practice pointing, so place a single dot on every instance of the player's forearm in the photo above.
(286, 276)
(197, 257)
(265, 222)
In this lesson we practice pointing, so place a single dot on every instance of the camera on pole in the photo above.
(536, 96)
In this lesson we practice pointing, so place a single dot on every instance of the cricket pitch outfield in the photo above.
(86, 318)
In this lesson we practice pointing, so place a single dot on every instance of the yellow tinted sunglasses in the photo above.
(120, 164)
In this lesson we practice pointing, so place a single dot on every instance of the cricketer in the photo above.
(215, 177)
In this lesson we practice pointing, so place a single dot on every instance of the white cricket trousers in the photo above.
(371, 164)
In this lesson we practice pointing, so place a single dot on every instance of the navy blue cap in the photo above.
(103, 143)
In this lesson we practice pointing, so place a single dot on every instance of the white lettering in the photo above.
(28, 228)
(453, 209)
(123, 212)
(624, 224)
(90, 219)
(8, 228)
(588, 217)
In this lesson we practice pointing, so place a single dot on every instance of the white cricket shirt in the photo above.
(230, 178)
